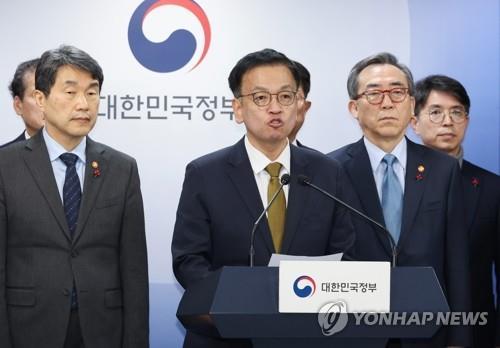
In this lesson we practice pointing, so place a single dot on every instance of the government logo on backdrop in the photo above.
(178, 49)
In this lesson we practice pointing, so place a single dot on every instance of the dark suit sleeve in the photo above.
(343, 236)
(134, 268)
(457, 269)
(4, 322)
(191, 239)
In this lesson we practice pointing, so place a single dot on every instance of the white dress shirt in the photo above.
(259, 162)
(55, 150)
(376, 155)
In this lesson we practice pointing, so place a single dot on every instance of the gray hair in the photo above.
(379, 58)
(52, 60)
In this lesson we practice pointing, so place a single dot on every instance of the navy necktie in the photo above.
(392, 198)
(72, 193)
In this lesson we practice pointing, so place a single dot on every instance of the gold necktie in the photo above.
(277, 211)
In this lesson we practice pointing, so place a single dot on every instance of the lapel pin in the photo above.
(475, 182)
(420, 172)
(95, 169)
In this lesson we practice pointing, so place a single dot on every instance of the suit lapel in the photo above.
(414, 187)
(359, 170)
(241, 175)
(92, 184)
(472, 191)
(298, 196)
(37, 160)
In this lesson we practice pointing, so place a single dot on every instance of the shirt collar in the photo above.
(55, 149)
(376, 154)
(259, 161)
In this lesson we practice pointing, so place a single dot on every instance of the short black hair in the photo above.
(252, 60)
(52, 60)
(305, 78)
(17, 87)
(440, 83)
(379, 58)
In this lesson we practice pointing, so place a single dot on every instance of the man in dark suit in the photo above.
(413, 190)
(22, 88)
(73, 271)
(224, 192)
(442, 115)
(302, 93)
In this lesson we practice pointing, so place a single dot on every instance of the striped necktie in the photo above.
(72, 192)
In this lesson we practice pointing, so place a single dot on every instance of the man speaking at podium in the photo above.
(225, 192)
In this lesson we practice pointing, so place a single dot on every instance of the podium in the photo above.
(242, 302)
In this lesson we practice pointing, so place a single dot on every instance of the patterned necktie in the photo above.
(392, 198)
(277, 211)
(72, 192)
(72, 195)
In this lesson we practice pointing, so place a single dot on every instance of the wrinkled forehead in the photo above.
(74, 75)
(381, 76)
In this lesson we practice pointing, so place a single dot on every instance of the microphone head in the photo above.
(304, 180)
(285, 179)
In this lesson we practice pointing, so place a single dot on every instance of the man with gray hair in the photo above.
(413, 190)
(73, 265)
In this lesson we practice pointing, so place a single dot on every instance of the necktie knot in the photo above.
(69, 159)
(389, 159)
(274, 169)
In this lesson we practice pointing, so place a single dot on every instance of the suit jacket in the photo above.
(39, 261)
(299, 144)
(19, 138)
(220, 202)
(482, 201)
(432, 230)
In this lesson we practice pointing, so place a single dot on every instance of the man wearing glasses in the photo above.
(413, 190)
(225, 192)
(442, 116)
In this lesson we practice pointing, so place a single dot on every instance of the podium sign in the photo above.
(242, 302)
(306, 286)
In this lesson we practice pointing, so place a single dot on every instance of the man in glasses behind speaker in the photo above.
(411, 189)
(442, 116)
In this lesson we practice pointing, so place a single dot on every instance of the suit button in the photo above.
(66, 292)
(74, 253)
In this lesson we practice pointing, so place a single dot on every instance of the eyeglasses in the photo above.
(263, 98)
(436, 115)
(376, 96)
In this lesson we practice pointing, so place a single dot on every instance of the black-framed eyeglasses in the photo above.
(457, 115)
(376, 96)
(263, 98)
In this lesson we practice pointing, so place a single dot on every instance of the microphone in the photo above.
(304, 180)
(285, 180)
